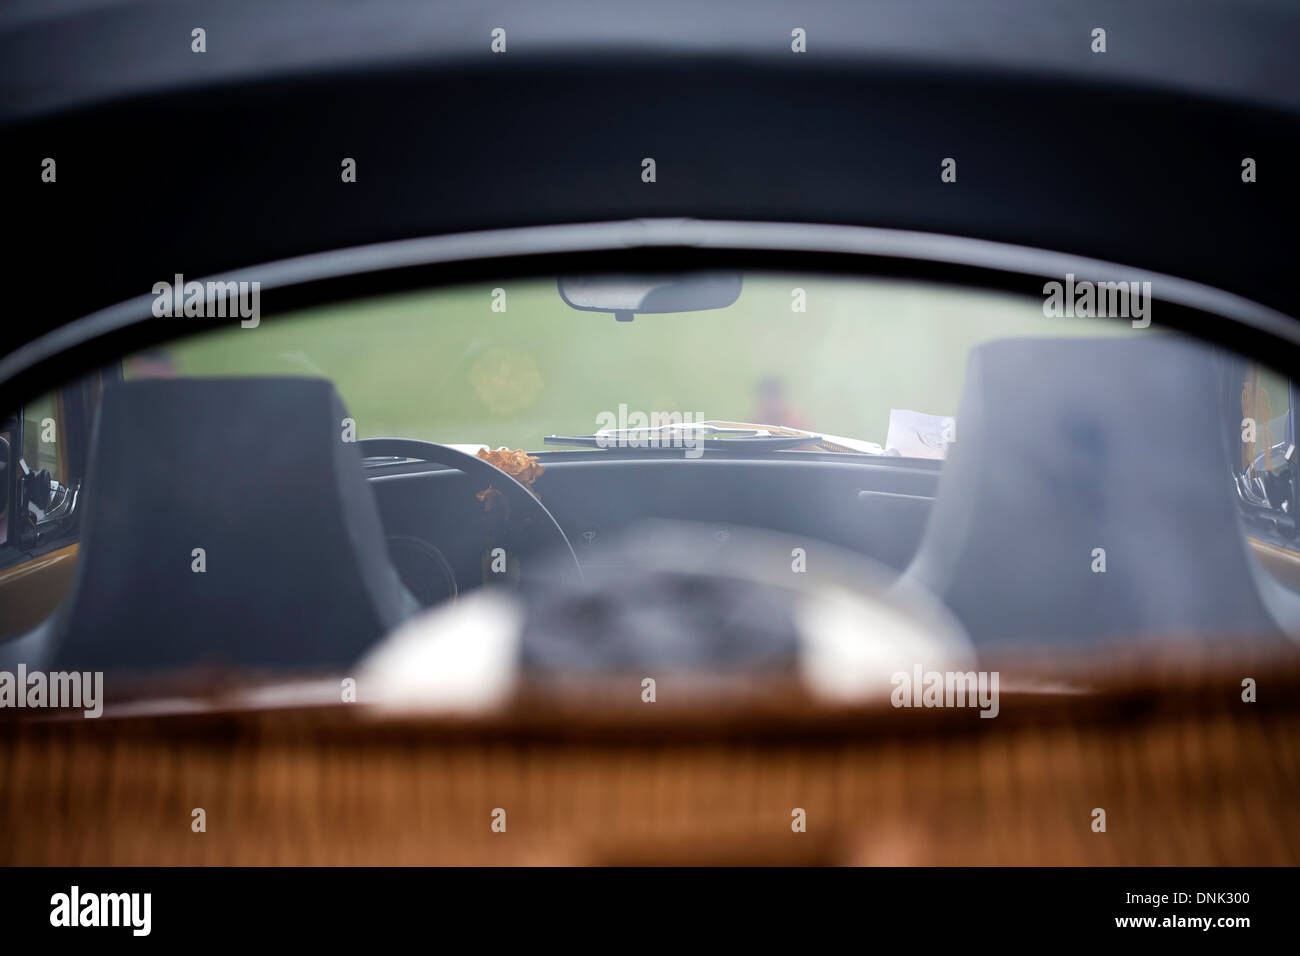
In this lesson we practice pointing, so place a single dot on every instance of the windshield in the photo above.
(1043, 476)
(509, 363)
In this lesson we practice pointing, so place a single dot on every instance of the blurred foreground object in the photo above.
(704, 605)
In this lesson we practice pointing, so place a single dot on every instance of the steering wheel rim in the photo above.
(520, 497)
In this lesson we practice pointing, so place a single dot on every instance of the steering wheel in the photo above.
(521, 500)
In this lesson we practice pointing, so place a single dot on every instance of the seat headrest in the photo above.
(226, 520)
(1065, 446)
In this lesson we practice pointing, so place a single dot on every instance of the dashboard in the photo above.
(438, 537)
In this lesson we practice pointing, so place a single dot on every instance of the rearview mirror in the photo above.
(630, 295)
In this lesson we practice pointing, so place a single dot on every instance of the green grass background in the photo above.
(441, 365)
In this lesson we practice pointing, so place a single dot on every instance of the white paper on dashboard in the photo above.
(918, 435)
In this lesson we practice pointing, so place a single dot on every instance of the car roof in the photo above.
(172, 162)
(1237, 49)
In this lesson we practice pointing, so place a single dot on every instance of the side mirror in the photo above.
(630, 295)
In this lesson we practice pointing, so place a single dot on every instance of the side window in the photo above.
(43, 435)
(37, 537)
(43, 453)
(43, 472)
(1269, 471)
(1266, 401)
(48, 441)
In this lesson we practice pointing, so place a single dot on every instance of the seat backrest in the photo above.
(226, 521)
(1067, 446)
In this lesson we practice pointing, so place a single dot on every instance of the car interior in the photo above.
(665, 425)
(275, 533)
